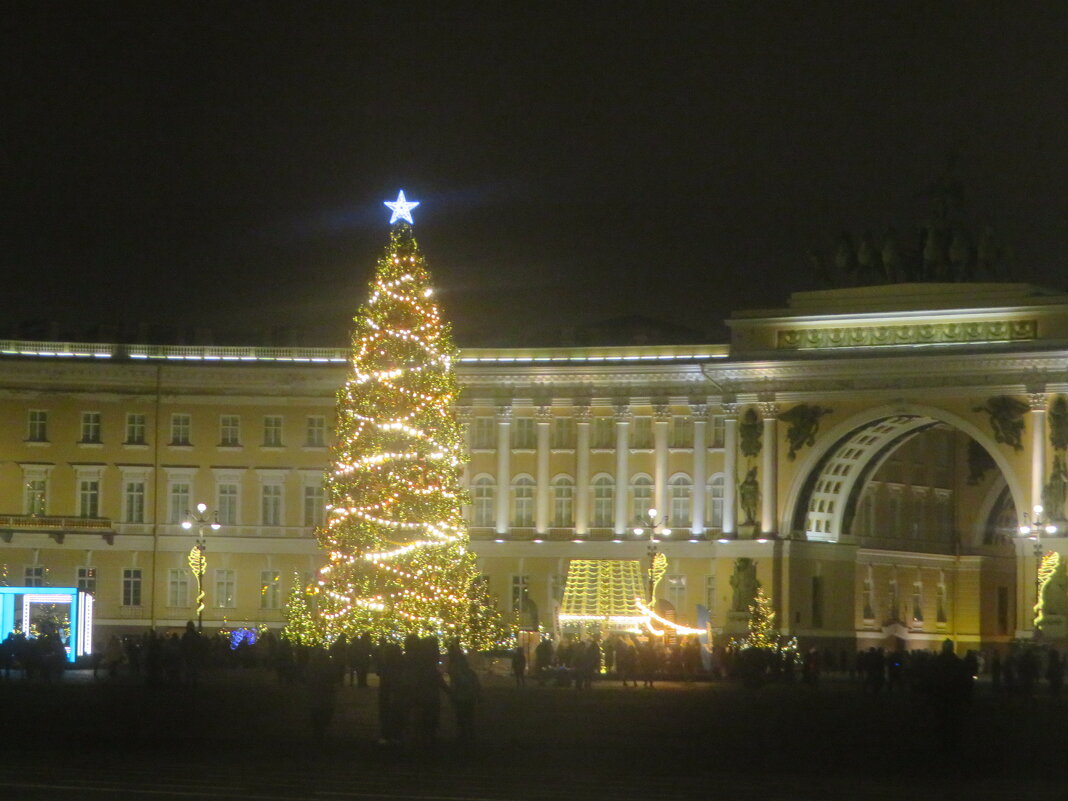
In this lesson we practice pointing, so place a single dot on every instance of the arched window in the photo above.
(484, 496)
(604, 494)
(563, 501)
(680, 501)
(641, 497)
(523, 502)
(715, 501)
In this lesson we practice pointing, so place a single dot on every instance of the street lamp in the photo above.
(1034, 531)
(198, 561)
(656, 527)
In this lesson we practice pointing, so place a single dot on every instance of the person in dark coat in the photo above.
(519, 666)
(465, 691)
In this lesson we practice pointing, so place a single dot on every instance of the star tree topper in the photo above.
(402, 209)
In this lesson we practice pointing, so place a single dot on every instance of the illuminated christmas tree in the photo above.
(396, 540)
(762, 632)
(300, 627)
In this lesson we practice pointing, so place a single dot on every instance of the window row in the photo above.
(181, 427)
(179, 500)
(484, 429)
(220, 586)
(602, 501)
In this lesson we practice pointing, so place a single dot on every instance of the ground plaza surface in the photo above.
(241, 735)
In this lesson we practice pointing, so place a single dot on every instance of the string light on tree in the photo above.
(396, 541)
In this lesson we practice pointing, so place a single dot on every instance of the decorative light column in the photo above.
(730, 467)
(582, 469)
(770, 474)
(543, 418)
(504, 472)
(1037, 401)
(198, 561)
(622, 466)
(700, 457)
(661, 420)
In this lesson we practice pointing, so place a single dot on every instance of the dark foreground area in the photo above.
(239, 734)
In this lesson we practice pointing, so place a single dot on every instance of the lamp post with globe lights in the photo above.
(198, 561)
(1033, 527)
(656, 527)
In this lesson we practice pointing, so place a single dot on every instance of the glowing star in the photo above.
(402, 209)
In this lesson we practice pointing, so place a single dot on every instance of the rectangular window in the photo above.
(89, 497)
(482, 432)
(941, 616)
(272, 431)
(917, 602)
(563, 506)
(178, 588)
(869, 600)
(716, 434)
(38, 426)
(33, 576)
(178, 502)
(135, 429)
(523, 434)
(642, 433)
(603, 499)
(314, 506)
(817, 602)
(681, 431)
(680, 502)
(134, 501)
(563, 433)
(315, 433)
(520, 589)
(90, 427)
(523, 493)
(715, 502)
(229, 431)
(272, 505)
(641, 496)
(36, 492)
(676, 591)
(484, 497)
(131, 586)
(270, 589)
(224, 589)
(226, 503)
(181, 429)
(604, 429)
(87, 579)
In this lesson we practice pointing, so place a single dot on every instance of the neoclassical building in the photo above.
(865, 455)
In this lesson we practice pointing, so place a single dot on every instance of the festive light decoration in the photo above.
(395, 538)
(762, 632)
(402, 209)
(198, 563)
(300, 626)
(1047, 569)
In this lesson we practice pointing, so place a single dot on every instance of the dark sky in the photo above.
(224, 164)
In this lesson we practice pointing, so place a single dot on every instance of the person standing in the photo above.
(519, 666)
(465, 691)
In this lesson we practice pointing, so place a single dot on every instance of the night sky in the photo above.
(223, 165)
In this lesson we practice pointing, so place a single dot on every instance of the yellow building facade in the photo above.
(868, 454)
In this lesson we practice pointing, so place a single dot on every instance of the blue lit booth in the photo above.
(22, 607)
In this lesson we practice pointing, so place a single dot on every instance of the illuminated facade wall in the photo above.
(104, 448)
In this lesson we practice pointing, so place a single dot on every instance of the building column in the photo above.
(582, 469)
(730, 467)
(622, 466)
(770, 474)
(1038, 448)
(504, 471)
(543, 418)
(661, 421)
(700, 457)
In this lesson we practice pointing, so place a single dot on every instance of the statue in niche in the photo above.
(744, 583)
(1055, 493)
(804, 422)
(1053, 594)
(1058, 423)
(749, 496)
(979, 461)
(749, 433)
(1006, 419)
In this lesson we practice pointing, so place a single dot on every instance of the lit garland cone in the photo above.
(397, 543)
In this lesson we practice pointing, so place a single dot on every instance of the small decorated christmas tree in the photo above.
(395, 537)
(762, 632)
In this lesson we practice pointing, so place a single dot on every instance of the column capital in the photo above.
(581, 413)
(1038, 401)
(769, 409)
(504, 414)
(622, 413)
(662, 413)
(699, 411)
(543, 415)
